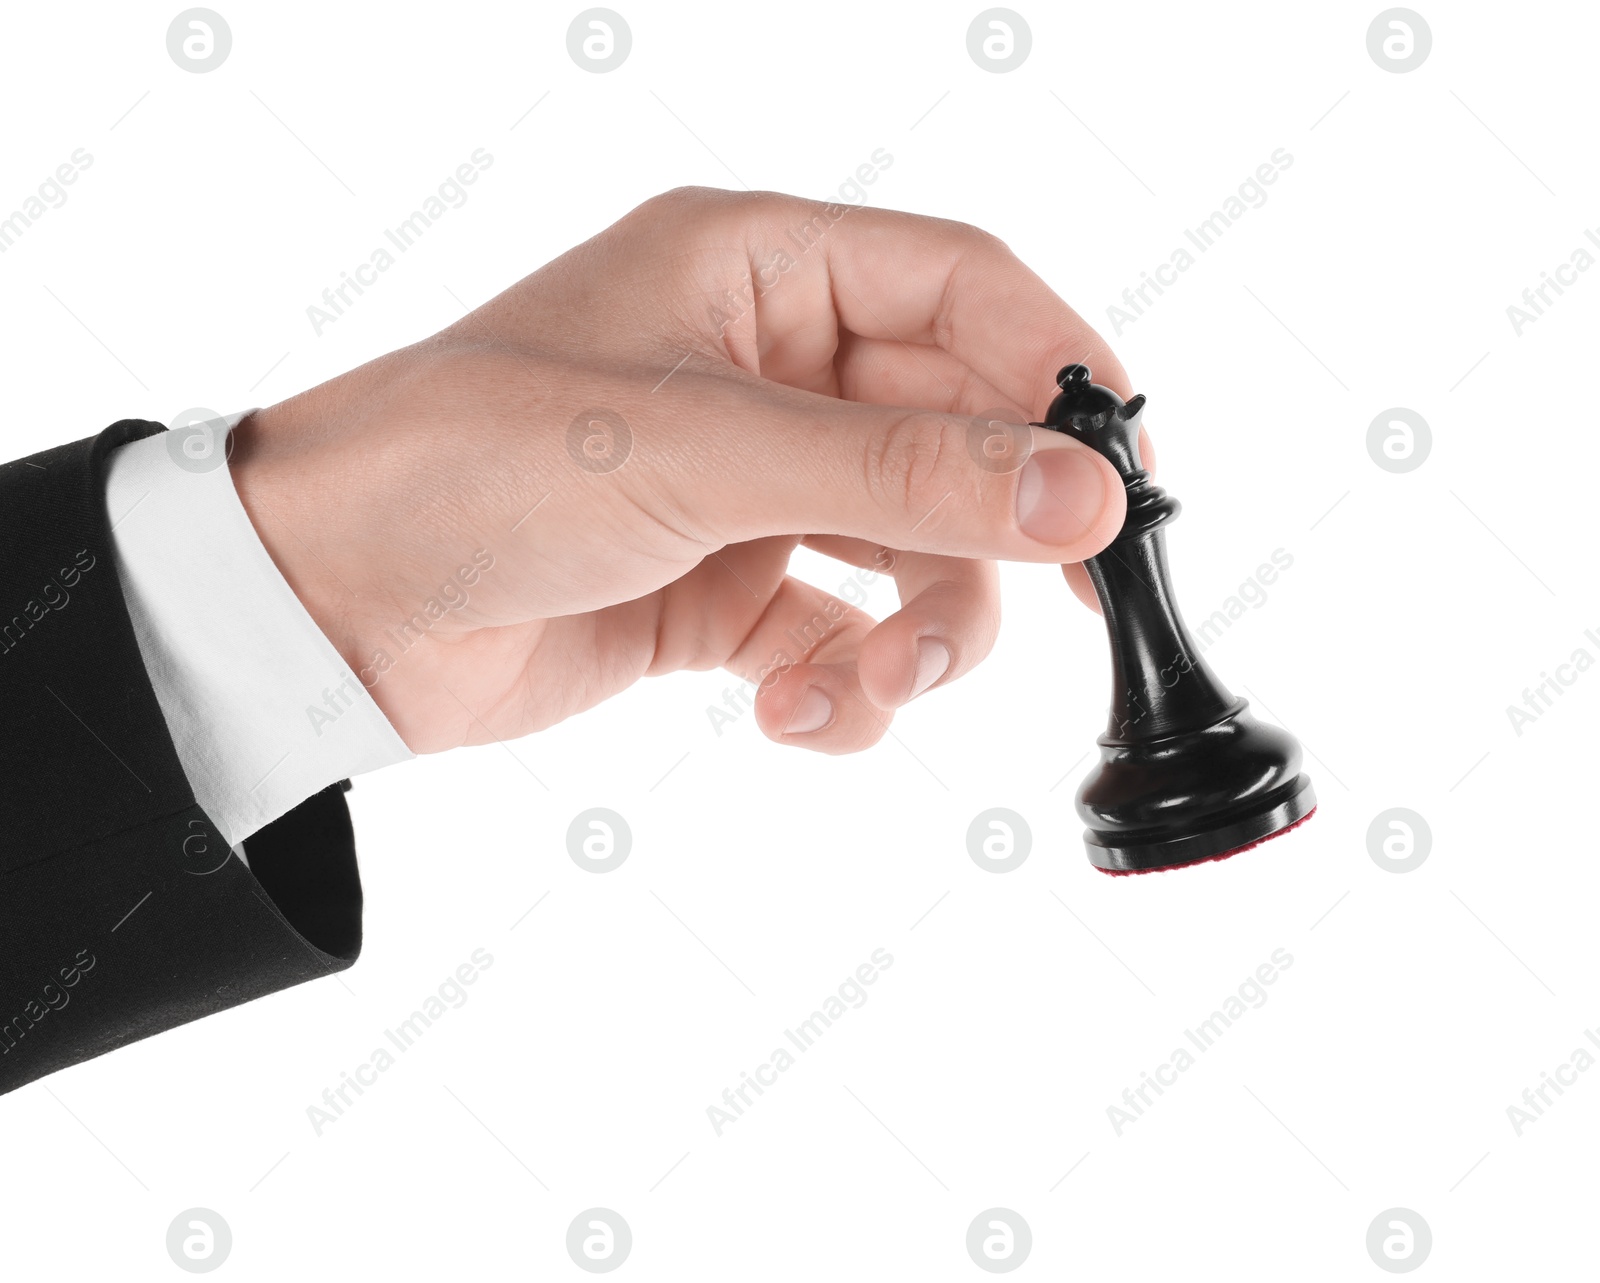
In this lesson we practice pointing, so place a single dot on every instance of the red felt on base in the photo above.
(1167, 868)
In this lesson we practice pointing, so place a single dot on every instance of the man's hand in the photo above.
(602, 473)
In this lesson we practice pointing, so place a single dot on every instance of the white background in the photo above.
(1019, 1006)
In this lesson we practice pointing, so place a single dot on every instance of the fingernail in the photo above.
(933, 661)
(812, 713)
(1060, 494)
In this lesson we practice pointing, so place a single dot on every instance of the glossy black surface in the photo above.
(1186, 773)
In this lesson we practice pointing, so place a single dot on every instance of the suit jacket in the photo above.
(122, 909)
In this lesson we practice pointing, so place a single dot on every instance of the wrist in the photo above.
(272, 487)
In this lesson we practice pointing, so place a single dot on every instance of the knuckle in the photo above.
(973, 237)
(911, 464)
(708, 216)
(705, 201)
(677, 205)
(688, 194)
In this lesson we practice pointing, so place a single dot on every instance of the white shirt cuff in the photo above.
(262, 709)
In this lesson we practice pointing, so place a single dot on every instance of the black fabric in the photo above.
(122, 911)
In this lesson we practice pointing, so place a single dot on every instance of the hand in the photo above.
(601, 474)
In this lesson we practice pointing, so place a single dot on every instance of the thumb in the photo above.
(775, 461)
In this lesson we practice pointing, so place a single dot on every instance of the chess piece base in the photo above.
(1224, 835)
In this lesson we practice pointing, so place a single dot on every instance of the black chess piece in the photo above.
(1186, 774)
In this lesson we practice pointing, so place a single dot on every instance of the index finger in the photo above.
(957, 287)
(911, 280)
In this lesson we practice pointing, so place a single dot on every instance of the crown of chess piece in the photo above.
(1186, 774)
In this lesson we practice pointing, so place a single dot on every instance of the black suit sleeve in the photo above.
(122, 912)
